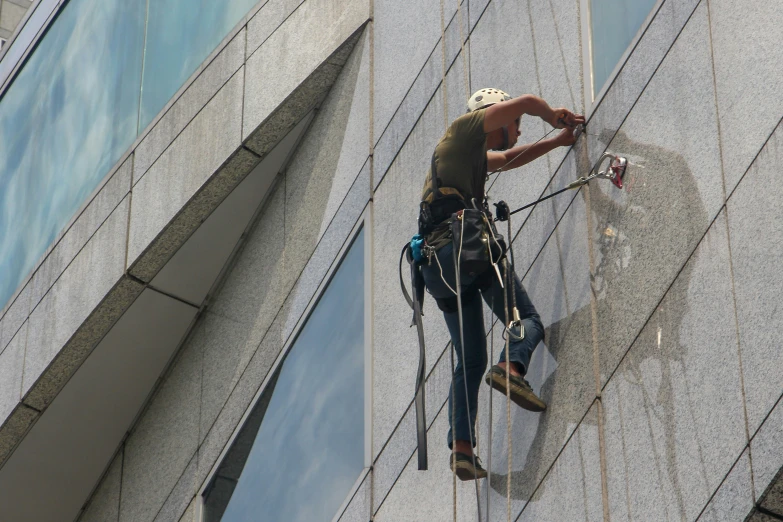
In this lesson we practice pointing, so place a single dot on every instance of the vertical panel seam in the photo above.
(244, 89)
(597, 360)
(728, 239)
(143, 60)
(132, 159)
(122, 475)
(371, 239)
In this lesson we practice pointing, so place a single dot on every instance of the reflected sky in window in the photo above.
(614, 25)
(78, 104)
(65, 120)
(180, 35)
(309, 448)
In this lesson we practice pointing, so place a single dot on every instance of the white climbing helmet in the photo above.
(486, 97)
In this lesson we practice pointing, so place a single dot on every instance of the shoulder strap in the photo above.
(434, 179)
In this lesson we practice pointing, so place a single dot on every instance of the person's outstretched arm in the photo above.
(502, 114)
(523, 154)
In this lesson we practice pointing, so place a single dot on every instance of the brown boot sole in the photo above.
(522, 397)
(465, 472)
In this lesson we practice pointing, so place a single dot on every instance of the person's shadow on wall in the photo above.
(644, 222)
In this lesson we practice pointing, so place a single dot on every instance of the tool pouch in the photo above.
(477, 243)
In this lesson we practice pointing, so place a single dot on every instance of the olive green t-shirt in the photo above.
(461, 163)
(461, 158)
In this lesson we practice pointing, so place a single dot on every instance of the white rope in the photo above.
(489, 428)
(453, 462)
(440, 268)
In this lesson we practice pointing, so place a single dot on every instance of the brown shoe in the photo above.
(521, 392)
(464, 466)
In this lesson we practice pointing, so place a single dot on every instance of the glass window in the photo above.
(68, 116)
(77, 104)
(302, 447)
(180, 35)
(613, 26)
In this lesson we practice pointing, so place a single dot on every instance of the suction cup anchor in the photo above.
(616, 170)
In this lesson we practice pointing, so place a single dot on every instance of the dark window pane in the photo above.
(302, 447)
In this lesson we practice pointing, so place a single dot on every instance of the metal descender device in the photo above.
(615, 171)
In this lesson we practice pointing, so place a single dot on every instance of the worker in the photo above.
(482, 141)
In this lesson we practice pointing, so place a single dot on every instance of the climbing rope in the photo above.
(509, 449)
(456, 261)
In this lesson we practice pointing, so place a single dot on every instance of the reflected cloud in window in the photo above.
(302, 447)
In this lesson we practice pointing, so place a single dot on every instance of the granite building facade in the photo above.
(202, 208)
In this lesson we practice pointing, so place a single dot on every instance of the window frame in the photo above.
(592, 102)
(364, 223)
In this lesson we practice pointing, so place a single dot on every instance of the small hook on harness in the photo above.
(502, 212)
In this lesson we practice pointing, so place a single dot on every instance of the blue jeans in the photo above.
(475, 363)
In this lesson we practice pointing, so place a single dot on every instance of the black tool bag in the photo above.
(477, 243)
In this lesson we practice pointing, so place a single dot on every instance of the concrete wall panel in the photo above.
(636, 73)
(767, 450)
(15, 315)
(197, 95)
(328, 247)
(164, 441)
(572, 488)
(502, 51)
(83, 228)
(183, 493)
(323, 169)
(267, 19)
(643, 235)
(186, 165)
(104, 505)
(244, 308)
(404, 39)
(558, 44)
(428, 495)
(11, 370)
(395, 452)
(268, 85)
(358, 509)
(395, 345)
(674, 412)
(420, 94)
(756, 233)
(560, 370)
(477, 9)
(734, 498)
(69, 302)
(12, 15)
(746, 86)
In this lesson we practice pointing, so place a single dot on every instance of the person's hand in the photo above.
(565, 119)
(566, 138)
